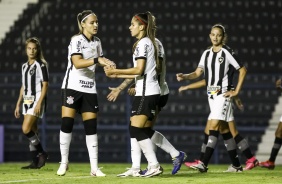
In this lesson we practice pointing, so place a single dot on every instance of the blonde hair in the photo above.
(39, 53)
(81, 17)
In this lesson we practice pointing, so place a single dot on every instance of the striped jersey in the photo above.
(219, 68)
(82, 79)
(147, 83)
(32, 77)
(161, 54)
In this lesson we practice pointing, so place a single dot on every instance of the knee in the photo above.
(26, 129)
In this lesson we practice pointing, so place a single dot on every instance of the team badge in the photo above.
(32, 71)
(70, 100)
(220, 60)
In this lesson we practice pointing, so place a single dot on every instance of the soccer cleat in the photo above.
(142, 172)
(267, 164)
(232, 168)
(200, 167)
(189, 164)
(130, 172)
(97, 173)
(251, 163)
(177, 162)
(32, 165)
(153, 172)
(62, 169)
(42, 158)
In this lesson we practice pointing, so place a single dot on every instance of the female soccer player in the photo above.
(157, 138)
(146, 86)
(241, 142)
(270, 163)
(32, 97)
(215, 63)
(79, 93)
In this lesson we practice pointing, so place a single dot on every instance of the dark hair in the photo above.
(39, 54)
(81, 17)
(148, 20)
(222, 28)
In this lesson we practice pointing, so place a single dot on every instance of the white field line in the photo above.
(41, 179)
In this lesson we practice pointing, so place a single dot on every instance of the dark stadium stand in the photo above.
(254, 31)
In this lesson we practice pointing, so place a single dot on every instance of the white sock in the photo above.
(164, 144)
(92, 146)
(65, 140)
(147, 147)
(135, 154)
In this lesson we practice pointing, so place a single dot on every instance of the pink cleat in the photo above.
(267, 164)
(189, 164)
(251, 163)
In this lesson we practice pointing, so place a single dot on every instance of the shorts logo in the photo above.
(220, 60)
(70, 100)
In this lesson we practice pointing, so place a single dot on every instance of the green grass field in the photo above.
(79, 173)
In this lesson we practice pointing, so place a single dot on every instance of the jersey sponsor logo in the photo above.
(86, 84)
(78, 46)
(220, 60)
(28, 99)
(70, 100)
(136, 52)
(146, 46)
(213, 90)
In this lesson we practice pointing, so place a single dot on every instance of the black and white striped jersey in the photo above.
(82, 79)
(147, 83)
(162, 81)
(219, 68)
(32, 77)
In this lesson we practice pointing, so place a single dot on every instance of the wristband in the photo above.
(95, 60)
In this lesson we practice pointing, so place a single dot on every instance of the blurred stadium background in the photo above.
(254, 28)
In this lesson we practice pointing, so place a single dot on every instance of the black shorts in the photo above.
(162, 101)
(80, 101)
(145, 105)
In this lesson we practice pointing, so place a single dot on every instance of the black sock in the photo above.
(32, 137)
(275, 149)
(243, 146)
(231, 149)
(204, 146)
(210, 146)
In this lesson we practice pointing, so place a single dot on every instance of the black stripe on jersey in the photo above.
(213, 67)
(221, 72)
(234, 55)
(206, 68)
(230, 74)
(143, 95)
(26, 79)
(32, 84)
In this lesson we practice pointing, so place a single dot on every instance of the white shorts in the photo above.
(281, 119)
(221, 108)
(28, 107)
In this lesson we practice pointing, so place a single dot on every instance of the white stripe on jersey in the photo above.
(33, 76)
(146, 84)
(217, 67)
(83, 79)
(161, 54)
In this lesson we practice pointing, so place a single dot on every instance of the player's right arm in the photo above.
(194, 85)
(18, 105)
(194, 75)
(112, 96)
